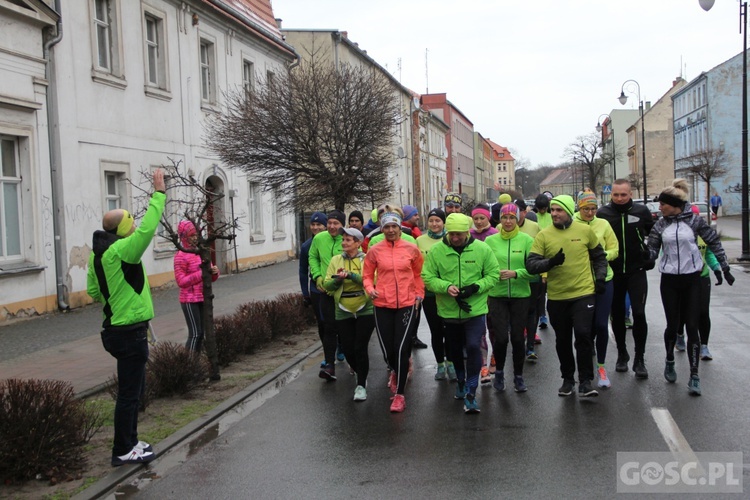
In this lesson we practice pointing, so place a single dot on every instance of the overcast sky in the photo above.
(532, 75)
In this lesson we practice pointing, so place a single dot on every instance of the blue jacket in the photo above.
(305, 284)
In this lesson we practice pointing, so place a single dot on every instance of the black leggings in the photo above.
(394, 333)
(680, 296)
(635, 284)
(704, 322)
(437, 334)
(508, 314)
(355, 334)
(194, 316)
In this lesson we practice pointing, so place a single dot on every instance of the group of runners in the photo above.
(496, 274)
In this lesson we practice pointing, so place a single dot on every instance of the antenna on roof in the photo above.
(426, 74)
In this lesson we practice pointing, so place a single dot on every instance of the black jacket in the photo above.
(631, 223)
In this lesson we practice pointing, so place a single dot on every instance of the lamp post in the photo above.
(745, 256)
(612, 133)
(623, 99)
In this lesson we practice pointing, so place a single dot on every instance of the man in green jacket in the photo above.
(117, 279)
(567, 252)
(461, 271)
(324, 246)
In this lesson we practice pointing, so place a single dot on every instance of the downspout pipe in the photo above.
(54, 161)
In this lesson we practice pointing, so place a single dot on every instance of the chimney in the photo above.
(278, 22)
(648, 105)
(345, 34)
(676, 81)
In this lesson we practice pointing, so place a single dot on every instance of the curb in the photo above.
(128, 480)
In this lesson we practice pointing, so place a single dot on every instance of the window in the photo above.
(278, 217)
(208, 72)
(155, 70)
(10, 199)
(255, 214)
(112, 181)
(115, 185)
(248, 76)
(106, 44)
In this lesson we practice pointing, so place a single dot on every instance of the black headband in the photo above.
(671, 200)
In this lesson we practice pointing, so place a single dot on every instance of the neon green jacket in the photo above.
(444, 266)
(116, 276)
(322, 249)
(349, 294)
(511, 255)
(607, 239)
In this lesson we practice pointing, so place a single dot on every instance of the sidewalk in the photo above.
(67, 346)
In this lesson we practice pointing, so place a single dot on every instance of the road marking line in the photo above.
(674, 438)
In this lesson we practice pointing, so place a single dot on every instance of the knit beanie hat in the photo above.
(541, 201)
(481, 209)
(565, 202)
(390, 218)
(504, 198)
(457, 223)
(409, 211)
(509, 209)
(337, 215)
(587, 198)
(357, 214)
(374, 215)
(319, 217)
(436, 212)
(453, 198)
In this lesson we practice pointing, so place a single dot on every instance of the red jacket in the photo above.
(399, 268)
(187, 268)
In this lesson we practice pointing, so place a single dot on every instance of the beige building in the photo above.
(659, 145)
(505, 167)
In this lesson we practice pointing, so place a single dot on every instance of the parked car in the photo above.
(653, 207)
(704, 211)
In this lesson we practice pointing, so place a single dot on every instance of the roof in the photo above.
(497, 149)
(256, 15)
(441, 98)
(558, 176)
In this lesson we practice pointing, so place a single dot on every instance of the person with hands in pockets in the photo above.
(461, 271)
(576, 267)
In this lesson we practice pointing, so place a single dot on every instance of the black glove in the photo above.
(719, 279)
(649, 265)
(646, 255)
(558, 259)
(463, 305)
(467, 291)
(600, 287)
(728, 277)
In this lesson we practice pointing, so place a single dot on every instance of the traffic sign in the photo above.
(607, 189)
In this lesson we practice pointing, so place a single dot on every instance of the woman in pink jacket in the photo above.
(395, 293)
(189, 277)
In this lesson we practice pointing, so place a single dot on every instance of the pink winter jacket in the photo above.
(187, 268)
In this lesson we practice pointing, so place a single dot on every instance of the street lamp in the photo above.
(612, 133)
(623, 99)
(745, 256)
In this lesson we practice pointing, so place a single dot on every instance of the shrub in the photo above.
(288, 315)
(254, 319)
(171, 369)
(230, 338)
(43, 428)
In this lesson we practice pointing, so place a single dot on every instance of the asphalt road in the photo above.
(311, 440)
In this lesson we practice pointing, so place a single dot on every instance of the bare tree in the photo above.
(586, 151)
(319, 135)
(707, 165)
(189, 200)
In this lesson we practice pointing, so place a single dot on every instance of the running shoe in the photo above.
(135, 456)
(542, 322)
(360, 393)
(531, 355)
(622, 362)
(470, 404)
(566, 389)
(460, 390)
(694, 385)
(705, 353)
(328, 373)
(451, 370)
(440, 375)
(628, 322)
(639, 367)
(669, 372)
(398, 404)
(603, 379)
(586, 391)
(393, 382)
(518, 384)
(537, 339)
(144, 446)
(484, 375)
(680, 344)
(499, 383)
